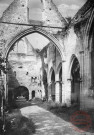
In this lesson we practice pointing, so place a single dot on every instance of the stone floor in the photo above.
(49, 124)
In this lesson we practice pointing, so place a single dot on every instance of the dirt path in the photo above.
(47, 123)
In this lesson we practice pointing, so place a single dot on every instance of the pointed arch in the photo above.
(30, 31)
(59, 67)
(88, 30)
(75, 80)
(50, 72)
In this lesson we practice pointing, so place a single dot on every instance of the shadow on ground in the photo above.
(82, 122)
(25, 126)
(16, 124)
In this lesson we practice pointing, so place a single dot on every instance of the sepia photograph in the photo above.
(46, 67)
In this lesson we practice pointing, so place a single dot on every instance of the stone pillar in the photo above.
(1, 96)
(57, 91)
(6, 84)
(68, 92)
(43, 90)
(30, 95)
(60, 87)
(82, 79)
(63, 82)
(49, 91)
(66, 86)
(88, 102)
(6, 87)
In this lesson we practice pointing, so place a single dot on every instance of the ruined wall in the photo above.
(24, 67)
(17, 12)
(51, 15)
(75, 42)
(53, 61)
(83, 28)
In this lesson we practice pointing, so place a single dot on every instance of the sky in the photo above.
(66, 7)
(37, 40)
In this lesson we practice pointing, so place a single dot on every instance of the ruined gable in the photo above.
(51, 16)
(17, 12)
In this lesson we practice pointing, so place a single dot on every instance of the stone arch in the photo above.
(21, 91)
(75, 80)
(58, 69)
(51, 87)
(88, 30)
(59, 81)
(30, 31)
(90, 37)
(53, 75)
(50, 73)
(70, 65)
(89, 40)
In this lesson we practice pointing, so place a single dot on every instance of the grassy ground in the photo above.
(16, 124)
(25, 126)
(66, 112)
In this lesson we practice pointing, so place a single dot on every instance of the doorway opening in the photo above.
(21, 91)
(53, 85)
(45, 82)
(75, 83)
(33, 94)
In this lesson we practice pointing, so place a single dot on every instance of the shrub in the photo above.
(57, 107)
(20, 126)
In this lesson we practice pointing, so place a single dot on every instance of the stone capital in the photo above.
(59, 82)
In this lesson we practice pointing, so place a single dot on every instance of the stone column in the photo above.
(68, 92)
(63, 81)
(1, 96)
(66, 86)
(82, 79)
(43, 90)
(30, 95)
(6, 84)
(60, 87)
(49, 91)
(57, 91)
(87, 101)
(6, 87)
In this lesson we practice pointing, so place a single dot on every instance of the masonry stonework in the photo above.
(24, 68)
(73, 43)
